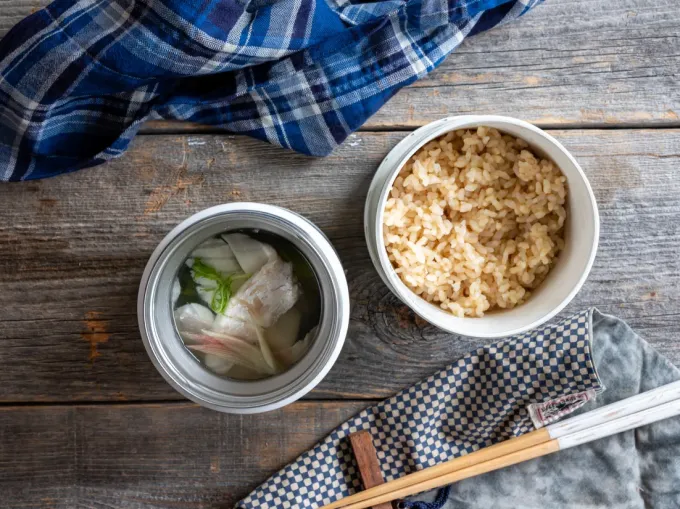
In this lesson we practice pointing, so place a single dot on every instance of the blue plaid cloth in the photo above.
(487, 396)
(78, 78)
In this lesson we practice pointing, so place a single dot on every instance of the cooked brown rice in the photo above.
(474, 221)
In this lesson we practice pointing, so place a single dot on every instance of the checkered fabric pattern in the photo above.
(478, 401)
(78, 78)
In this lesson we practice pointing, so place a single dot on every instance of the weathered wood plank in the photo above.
(150, 456)
(573, 62)
(13, 11)
(567, 63)
(72, 250)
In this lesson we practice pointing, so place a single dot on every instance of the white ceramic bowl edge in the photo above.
(565, 279)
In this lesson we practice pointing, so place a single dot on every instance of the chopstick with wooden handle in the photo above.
(606, 429)
(532, 445)
(488, 453)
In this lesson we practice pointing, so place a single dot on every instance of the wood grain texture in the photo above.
(150, 456)
(567, 63)
(13, 11)
(72, 251)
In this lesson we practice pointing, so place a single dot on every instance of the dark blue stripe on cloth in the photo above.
(438, 502)
(76, 77)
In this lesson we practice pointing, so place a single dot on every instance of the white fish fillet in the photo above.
(235, 327)
(281, 335)
(267, 295)
(251, 254)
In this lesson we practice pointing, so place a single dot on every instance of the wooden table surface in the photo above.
(85, 419)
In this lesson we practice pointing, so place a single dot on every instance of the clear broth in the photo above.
(308, 302)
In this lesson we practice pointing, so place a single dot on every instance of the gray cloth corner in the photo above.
(633, 470)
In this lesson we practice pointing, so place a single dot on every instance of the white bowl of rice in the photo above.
(483, 225)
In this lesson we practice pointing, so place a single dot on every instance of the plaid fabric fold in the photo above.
(484, 398)
(78, 78)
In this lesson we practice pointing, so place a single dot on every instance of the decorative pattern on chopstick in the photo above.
(655, 405)
(625, 423)
(628, 406)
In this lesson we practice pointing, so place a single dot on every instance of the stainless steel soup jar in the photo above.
(181, 369)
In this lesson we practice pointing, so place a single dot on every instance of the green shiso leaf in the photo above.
(223, 283)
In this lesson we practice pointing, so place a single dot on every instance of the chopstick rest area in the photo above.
(473, 418)
(637, 411)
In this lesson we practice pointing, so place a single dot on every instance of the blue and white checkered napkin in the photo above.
(486, 397)
(78, 78)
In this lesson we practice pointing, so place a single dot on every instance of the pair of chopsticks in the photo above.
(645, 408)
